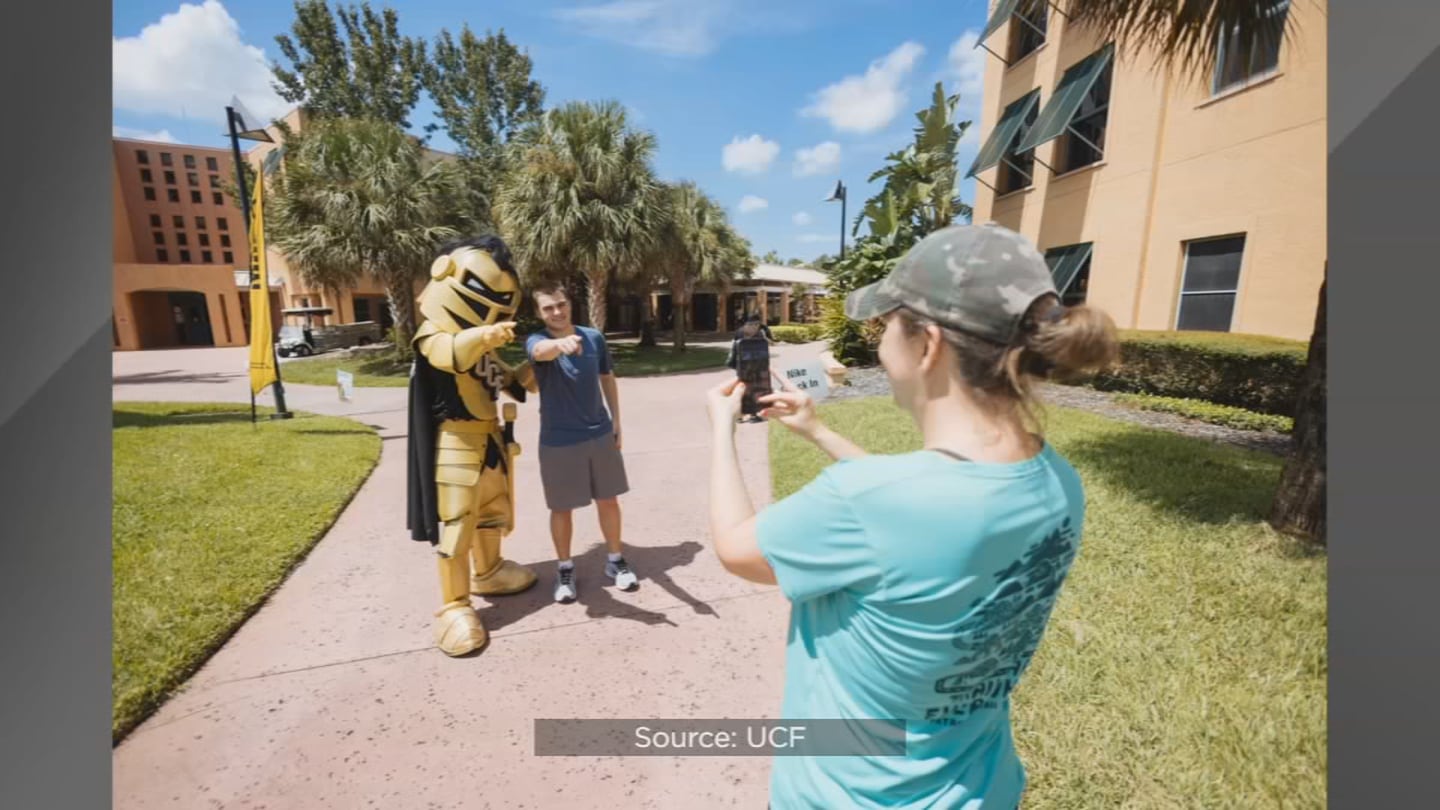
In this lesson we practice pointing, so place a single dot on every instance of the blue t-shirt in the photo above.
(920, 587)
(572, 406)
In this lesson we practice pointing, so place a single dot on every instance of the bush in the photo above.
(1209, 412)
(797, 332)
(1251, 372)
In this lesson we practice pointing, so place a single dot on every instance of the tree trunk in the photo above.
(678, 309)
(647, 319)
(595, 297)
(400, 293)
(1299, 506)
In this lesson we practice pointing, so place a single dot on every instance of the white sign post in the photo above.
(809, 378)
(346, 381)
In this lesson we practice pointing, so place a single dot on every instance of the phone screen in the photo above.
(752, 365)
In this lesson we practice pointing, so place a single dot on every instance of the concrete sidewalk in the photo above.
(332, 696)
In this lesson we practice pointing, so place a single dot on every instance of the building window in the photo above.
(222, 224)
(200, 223)
(1017, 170)
(159, 237)
(170, 178)
(184, 257)
(1070, 270)
(224, 240)
(179, 221)
(172, 194)
(154, 220)
(189, 161)
(1240, 61)
(212, 164)
(362, 309)
(1211, 284)
(219, 198)
(206, 256)
(166, 159)
(149, 193)
(1027, 28)
(196, 197)
(162, 255)
(192, 178)
(204, 240)
(1084, 142)
(214, 181)
(146, 176)
(229, 257)
(142, 156)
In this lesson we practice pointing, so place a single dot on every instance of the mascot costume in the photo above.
(461, 484)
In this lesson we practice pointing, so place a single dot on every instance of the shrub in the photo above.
(1209, 412)
(1251, 372)
(797, 332)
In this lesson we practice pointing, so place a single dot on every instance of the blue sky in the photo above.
(763, 104)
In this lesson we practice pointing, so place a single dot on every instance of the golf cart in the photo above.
(295, 341)
(303, 341)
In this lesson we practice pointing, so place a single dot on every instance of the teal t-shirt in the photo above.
(920, 586)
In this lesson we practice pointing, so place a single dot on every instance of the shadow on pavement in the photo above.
(125, 418)
(176, 376)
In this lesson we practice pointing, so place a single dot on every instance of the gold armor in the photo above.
(465, 310)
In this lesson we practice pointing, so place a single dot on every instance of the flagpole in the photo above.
(280, 411)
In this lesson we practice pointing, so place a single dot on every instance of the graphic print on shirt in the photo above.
(999, 636)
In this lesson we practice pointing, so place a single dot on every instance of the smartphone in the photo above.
(752, 366)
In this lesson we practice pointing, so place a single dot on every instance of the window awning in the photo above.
(1003, 10)
(997, 146)
(1055, 118)
(1065, 263)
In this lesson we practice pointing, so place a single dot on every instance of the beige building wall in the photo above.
(1181, 164)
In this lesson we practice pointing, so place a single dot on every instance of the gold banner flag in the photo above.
(262, 340)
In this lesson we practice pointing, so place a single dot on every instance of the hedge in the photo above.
(797, 332)
(1209, 412)
(1252, 372)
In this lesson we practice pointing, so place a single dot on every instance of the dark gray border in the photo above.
(55, 407)
(1384, 556)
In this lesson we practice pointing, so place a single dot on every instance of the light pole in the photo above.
(839, 194)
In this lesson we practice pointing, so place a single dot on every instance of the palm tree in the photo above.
(1183, 35)
(581, 196)
(698, 245)
(361, 198)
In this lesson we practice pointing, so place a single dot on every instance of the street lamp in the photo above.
(839, 194)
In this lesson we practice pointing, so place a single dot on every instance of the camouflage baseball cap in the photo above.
(979, 279)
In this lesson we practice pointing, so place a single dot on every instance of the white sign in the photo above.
(809, 378)
(346, 381)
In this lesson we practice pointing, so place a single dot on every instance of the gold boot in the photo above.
(458, 630)
(496, 576)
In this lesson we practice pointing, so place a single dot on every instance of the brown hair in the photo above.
(1053, 341)
(549, 288)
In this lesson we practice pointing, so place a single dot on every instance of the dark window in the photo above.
(179, 221)
(196, 197)
(172, 194)
(185, 257)
(362, 309)
(1212, 281)
(154, 220)
(218, 198)
(192, 178)
(146, 176)
(1017, 171)
(166, 159)
(214, 181)
(181, 239)
(222, 224)
(206, 256)
(212, 164)
(142, 156)
(200, 223)
(159, 237)
(1238, 60)
(1075, 295)
(229, 257)
(170, 178)
(204, 240)
(149, 193)
(224, 240)
(1084, 142)
(162, 255)
(189, 161)
(1027, 28)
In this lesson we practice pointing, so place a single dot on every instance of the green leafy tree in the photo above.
(368, 72)
(771, 257)
(362, 198)
(581, 197)
(698, 245)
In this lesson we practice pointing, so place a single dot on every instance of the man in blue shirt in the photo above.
(580, 457)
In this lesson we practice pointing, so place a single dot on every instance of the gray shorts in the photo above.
(575, 474)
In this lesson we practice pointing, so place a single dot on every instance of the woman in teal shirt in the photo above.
(921, 583)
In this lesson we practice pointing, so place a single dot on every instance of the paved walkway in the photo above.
(331, 695)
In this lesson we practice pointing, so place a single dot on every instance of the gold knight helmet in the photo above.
(474, 284)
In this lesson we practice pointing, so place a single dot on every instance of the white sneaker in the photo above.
(619, 570)
(565, 585)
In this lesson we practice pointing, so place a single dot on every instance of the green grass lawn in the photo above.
(210, 514)
(1226, 415)
(1185, 664)
(383, 371)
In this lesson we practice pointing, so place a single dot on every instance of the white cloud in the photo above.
(817, 159)
(670, 27)
(967, 69)
(189, 64)
(868, 102)
(750, 203)
(163, 136)
(750, 156)
(802, 219)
